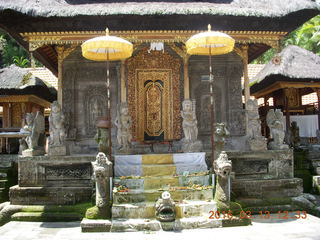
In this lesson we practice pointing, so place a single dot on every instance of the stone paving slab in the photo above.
(261, 229)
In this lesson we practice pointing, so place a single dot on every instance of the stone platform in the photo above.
(53, 180)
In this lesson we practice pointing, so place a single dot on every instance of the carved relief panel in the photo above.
(95, 103)
(154, 95)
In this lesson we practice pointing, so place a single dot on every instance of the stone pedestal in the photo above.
(33, 152)
(55, 180)
(57, 150)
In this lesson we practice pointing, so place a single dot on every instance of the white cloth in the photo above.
(131, 165)
(308, 124)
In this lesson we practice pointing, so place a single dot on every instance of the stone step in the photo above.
(136, 196)
(3, 183)
(158, 170)
(147, 209)
(162, 181)
(45, 217)
(133, 225)
(3, 175)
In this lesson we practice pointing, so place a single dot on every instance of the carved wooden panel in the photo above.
(16, 112)
(154, 94)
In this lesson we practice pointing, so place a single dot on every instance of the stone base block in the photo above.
(33, 152)
(147, 209)
(134, 225)
(257, 144)
(272, 188)
(88, 225)
(49, 195)
(57, 150)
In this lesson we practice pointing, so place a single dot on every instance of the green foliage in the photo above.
(21, 61)
(12, 53)
(307, 36)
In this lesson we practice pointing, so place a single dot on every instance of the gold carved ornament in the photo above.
(154, 94)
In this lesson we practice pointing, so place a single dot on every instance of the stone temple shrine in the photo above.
(150, 153)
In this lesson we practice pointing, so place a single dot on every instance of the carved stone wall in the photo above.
(228, 107)
(85, 99)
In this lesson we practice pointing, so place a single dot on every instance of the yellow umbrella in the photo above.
(210, 43)
(107, 48)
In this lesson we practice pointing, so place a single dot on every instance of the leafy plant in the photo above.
(307, 36)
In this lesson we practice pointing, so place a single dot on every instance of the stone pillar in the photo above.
(123, 85)
(245, 73)
(62, 52)
(186, 77)
(317, 90)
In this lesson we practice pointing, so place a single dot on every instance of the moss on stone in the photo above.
(98, 213)
(234, 207)
(46, 216)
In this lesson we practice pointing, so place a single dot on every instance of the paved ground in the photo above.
(261, 229)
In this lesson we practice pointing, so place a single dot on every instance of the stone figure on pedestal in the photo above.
(33, 144)
(294, 137)
(256, 141)
(277, 133)
(222, 167)
(57, 131)
(190, 142)
(124, 123)
(102, 171)
(102, 135)
(220, 134)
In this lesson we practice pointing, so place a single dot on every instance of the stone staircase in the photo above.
(136, 196)
(6, 172)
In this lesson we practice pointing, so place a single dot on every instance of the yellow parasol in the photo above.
(107, 48)
(210, 43)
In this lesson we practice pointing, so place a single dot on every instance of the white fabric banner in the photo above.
(308, 124)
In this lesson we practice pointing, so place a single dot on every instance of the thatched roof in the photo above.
(17, 81)
(291, 64)
(70, 8)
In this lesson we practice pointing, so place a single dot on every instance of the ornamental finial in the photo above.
(209, 27)
(107, 31)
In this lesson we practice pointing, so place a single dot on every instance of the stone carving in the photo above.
(33, 144)
(294, 137)
(57, 131)
(95, 103)
(256, 141)
(165, 208)
(102, 135)
(102, 171)
(222, 167)
(124, 124)
(190, 142)
(277, 133)
(220, 134)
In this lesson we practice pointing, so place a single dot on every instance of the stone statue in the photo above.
(222, 167)
(294, 137)
(190, 142)
(124, 123)
(165, 208)
(102, 171)
(57, 131)
(33, 144)
(102, 135)
(256, 141)
(277, 133)
(220, 134)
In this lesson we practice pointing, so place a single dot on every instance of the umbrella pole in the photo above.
(109, 107)
(211, 106)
